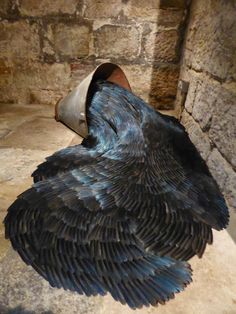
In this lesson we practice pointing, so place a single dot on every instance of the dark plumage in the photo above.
(124, 211)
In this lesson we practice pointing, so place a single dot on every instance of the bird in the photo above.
(123, 212)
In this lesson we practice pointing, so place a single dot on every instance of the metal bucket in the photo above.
(71, 110)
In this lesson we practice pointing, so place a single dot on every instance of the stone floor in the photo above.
(27, 135)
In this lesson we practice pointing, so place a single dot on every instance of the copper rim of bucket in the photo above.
(71, 110)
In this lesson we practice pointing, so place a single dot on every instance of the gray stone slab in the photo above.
(17, 164)
(39, 133)
(23, 290)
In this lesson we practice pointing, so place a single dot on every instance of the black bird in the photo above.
(123, 211)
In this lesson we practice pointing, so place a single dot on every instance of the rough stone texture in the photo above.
(193, 87)
(224, 175)
(163, 87)
(12, 116)
(156, 85)
(6, 80)
(37, 77)
(138, 9)
(139, 78)
(129, 12)
(101, 9)
(80, 70)
(22, 288)
(162, 46)
(4, 6)
(38, 37)
(47, 7)
(19, 40)
(203, 104)
(226, 178)
(47, 97)
(170, 18)
(117, 42)
(213, 44)
(71, 40)
(209, 64)
(32, 134)
(44, 76)
(223, 126)
(15, 172)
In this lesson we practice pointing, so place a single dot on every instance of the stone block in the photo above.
(190, 98)
(14, 95)
(13, 111)
(224, 175)
(211, 46)
(102, 9)
(112, 41)
(232, 70)
(5, 4)
(47, 7)
(79, 71)
(157, 86)
(199, 139)
(5, 67)
(7, 95)
(161, 46)
(19, 40)
(32, 134)
(34, 82)
(139, 77)
(164, 80)
(71, 40)
(170, 18)
(142, 10)
(223, 128)
(18, 165)
(46, 97)
(204, 103)
(42, 76)
(48, 50)
(13, 115)
(6, 73)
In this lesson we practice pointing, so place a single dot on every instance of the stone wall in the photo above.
(209, 65)
(47, 47)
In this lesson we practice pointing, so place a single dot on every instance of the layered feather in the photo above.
(124, 211)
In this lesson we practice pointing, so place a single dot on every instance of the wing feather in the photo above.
(100, 255)
(122, 220)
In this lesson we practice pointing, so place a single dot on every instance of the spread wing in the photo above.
(70, 230)
(168, 190)
(119, 221)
